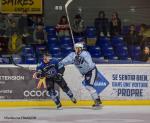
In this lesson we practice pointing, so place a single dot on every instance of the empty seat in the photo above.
(41, 49)
(104, 42)
(67, 50)
(135, 52)
(122, 52)
(125, 30)
(95, 51)
(56, 55)
(5, 60)
(90, 31)
(108, 52)
(55, 50)
(28, 49)
(52, 40)
(51, 30)
(79, 39)
(118, 41)
(17, 59)
(30, 60)
(66, 40)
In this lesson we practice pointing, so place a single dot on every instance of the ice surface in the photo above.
(108, 114)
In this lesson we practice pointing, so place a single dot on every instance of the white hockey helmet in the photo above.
(78, 45)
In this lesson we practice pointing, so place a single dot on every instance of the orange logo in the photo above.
(40, 83)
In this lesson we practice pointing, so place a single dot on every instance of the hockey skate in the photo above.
(59, 106)
(97, 105)
(73, 100)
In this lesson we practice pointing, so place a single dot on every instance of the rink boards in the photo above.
(128, 85)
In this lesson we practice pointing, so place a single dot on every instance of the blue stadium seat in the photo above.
(52, 42)
(51, 30)
(125, 30)
(57, 55)
(108, 53)
(67, 50)
(52, 39)
(40, 50)
(135, 52)
(28, 55)
(122, 53)
(66, 39)
(118, 41)
(90, 31)
(4, 60)
(111, 57)
(97, 55)
(17, 59)
(79, 39)
(55, 50)
(28, 49)
(104, 42)
(30, 60)
(95, 51)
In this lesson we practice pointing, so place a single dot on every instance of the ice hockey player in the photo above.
(49, 68)
(83, 61)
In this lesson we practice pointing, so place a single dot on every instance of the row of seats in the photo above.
(114, 48)
(106, 48)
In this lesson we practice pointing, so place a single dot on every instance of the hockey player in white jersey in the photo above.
(83, 61)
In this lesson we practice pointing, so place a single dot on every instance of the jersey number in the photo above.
(78, 60)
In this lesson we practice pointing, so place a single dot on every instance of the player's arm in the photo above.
(38, 73)
(67, 60)
(60, 70)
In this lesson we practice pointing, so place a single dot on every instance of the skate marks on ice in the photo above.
(108, 114)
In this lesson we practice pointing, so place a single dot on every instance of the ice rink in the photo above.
(108, 114)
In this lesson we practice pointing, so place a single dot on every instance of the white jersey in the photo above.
(83, 61)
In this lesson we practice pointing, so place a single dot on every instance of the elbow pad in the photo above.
(61, 70)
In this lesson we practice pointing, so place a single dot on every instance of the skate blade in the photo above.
(60, 108)
(97, 107)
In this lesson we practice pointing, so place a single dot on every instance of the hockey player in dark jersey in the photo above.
(49, 68)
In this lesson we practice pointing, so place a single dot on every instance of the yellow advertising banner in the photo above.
(17, 6)
(0, 7)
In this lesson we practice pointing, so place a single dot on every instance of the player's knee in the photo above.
(53, 93)
(90, 89)
(65, 88)
(49, 89)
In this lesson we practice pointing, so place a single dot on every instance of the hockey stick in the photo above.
(13, 62)
(66, 6)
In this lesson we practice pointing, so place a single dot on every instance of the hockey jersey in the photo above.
(83, 61)
(49, 69)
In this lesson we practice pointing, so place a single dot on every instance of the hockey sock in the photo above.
(54, 97)
(69, 93)
(92, 92)
(94, 96)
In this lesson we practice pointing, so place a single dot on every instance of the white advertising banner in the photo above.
(126, 81)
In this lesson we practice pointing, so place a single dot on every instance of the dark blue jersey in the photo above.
(49, 69)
